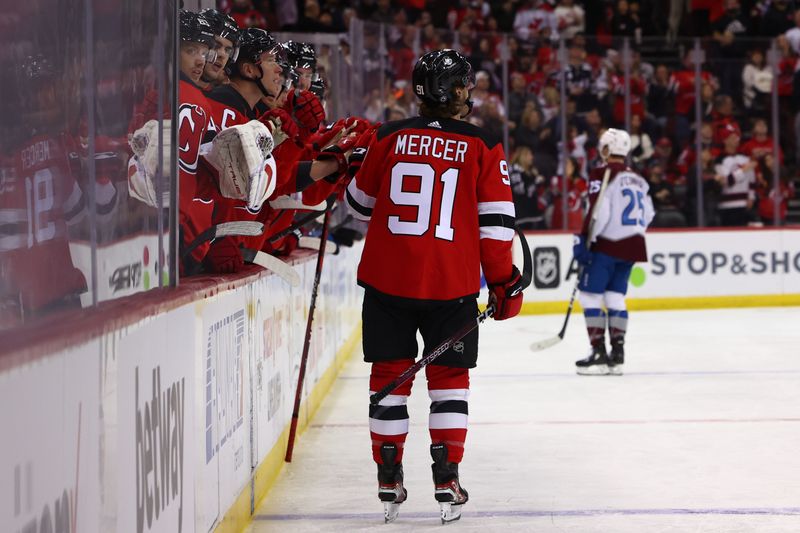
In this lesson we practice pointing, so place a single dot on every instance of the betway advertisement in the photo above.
(681, 264)
(155, 434)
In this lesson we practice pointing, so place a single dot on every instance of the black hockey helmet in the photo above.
(222, 24)
(437, 72)
(301, 55)
(195, 28)
(254, 41)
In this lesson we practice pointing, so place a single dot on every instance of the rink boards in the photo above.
(168, 411)
(174, 417)
(686, 269)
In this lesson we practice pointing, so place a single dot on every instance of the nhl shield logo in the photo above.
(546, 267)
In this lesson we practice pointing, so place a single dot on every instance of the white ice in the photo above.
(701, 434)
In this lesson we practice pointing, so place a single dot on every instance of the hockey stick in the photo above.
(314, 243)
(552, 341)
(307, 341)
(525, 280)
(287, 202)
(280, 268)
(302, 221)
(237, 227)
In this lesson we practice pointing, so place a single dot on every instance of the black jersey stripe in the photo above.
(361, 209)
(496, 219)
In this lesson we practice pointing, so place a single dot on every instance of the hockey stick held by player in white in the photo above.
(280, 268)
(552, 341)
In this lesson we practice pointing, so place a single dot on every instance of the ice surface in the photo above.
(702, 433)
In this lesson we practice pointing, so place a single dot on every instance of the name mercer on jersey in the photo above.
(427, 146)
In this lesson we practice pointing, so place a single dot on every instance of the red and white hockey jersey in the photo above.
(437, 195)
(36, 191)
(623, 215)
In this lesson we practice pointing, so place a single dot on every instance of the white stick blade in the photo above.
(544, 344)
(283, 270)
(313, 243)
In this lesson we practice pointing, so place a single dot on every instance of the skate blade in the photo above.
(450, 512)
(615, 370)
(594, 370)
(390, 511)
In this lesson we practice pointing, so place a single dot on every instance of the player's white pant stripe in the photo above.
(497, 232)
(392, 399)
(447, 420)
(442, 395)
(388, 427)
(496, 208)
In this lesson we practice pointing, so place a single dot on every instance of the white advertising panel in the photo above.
(49, 478)
(155, 416)
(682, 264)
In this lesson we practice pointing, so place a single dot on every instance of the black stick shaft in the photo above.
(307, 342)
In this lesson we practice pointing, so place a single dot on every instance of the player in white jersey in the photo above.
(618, 220)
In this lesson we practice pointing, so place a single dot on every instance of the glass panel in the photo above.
(70, 233)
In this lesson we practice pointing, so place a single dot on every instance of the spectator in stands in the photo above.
(527, 185)
(735, 172)
(729, 31)
(505, 12)
(777, 19)
(768, 194)
(625, 23)
(793, 34)
(579, 79)
(532, 19)
(723, 120)
(570, 18)
(247, 16)
(687, 158)
(761, 144)
(641, 144)
(682, 84)
(659, 97)
(710, 187)
(528, 131)
(668, 211)
(382, 12)
(577, 196)
(756, 83)
(518, 98)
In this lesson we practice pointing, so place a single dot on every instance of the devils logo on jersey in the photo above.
(192, 121)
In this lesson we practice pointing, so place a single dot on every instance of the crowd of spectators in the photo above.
(736, 162)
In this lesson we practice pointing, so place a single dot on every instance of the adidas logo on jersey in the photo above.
(435, 124)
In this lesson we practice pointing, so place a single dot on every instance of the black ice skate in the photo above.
(448, 491)
(390, 483)
(596, 364)
(616, 359)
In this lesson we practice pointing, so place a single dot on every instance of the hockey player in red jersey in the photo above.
(258, 73)
(436, 193)
(620, 210)
(226, 48)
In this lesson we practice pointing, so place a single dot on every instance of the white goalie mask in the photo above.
(617, 141)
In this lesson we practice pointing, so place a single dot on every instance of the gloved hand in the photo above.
(318, 87)
(581, 252)
(280, 118)
(307, 110)
(507, 297)
(340, 152)
(346, 236)
(224, 257)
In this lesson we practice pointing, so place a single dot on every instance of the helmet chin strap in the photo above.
(259, 83)
(469, 103)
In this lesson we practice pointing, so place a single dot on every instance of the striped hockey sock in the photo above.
(617, 324)
(448, 389)
(388, 421)
(595, 325)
